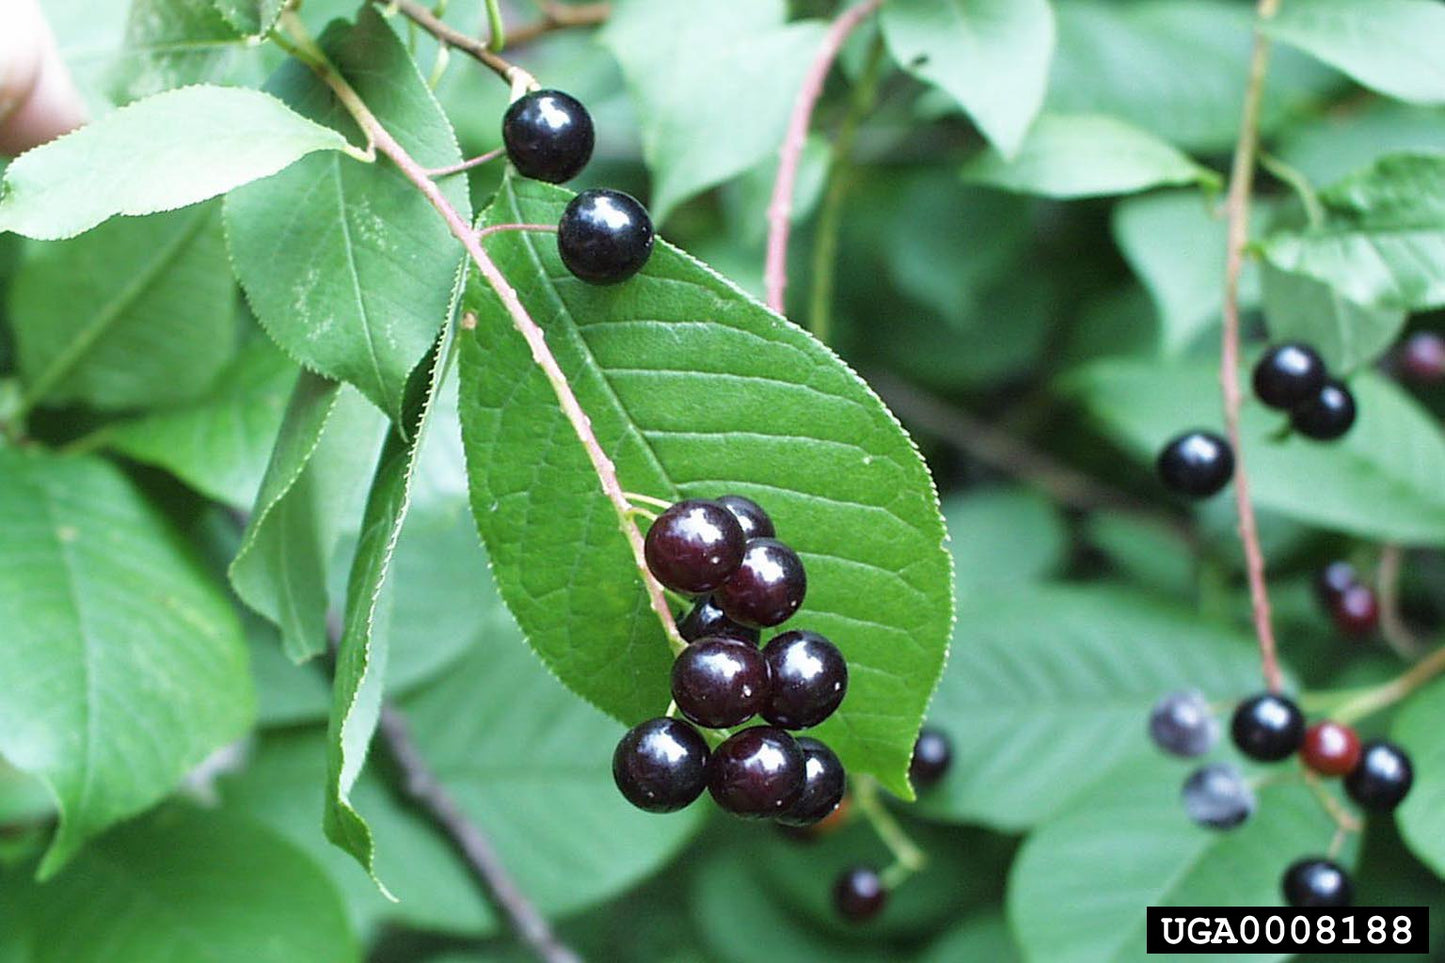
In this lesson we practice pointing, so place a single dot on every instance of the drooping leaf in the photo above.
(354, 282)
(1042, 676)
(167, 151)
(1421, 816)
(695, 390)
(1348, 335)
(1082, 155)
(171, 43)
(1391, 46)
(136, 313)
(992, 56)
(120, 636)
(693, 139)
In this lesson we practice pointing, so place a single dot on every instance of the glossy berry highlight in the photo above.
(548, 135)
(1317, 882)
(661, 765)
(1197, 464)
(605, 237)
(757, 773)
(1382, 778)
(1356, 611)
(1216, 796)
(1422, 358)
(809, 678)
(694, 545)
(1326, 416)
(1182, 724)
(932, 757)
(705, 619)
(1333, 581)
(756, 523)
(1330, 749)
(824, 783)
(1289, 375)
(767, 587)
(1268, 727)
(719, 682)
(859, 894)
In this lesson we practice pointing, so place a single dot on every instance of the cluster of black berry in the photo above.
(604, 236)
(1351, 603)
(1290, 377)
(724, 553)
(1269, 728)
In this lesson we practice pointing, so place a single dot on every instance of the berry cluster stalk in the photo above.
(1241, 186)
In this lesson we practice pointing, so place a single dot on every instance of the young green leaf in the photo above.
(1391, 46)
(992, 56)
(1348, 335)
(693, 389)
(121, 636)
(1422, 815)
(171, 150)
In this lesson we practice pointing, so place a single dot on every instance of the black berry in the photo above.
(1182, 724)
(859, 894)
(1326, 416)
(1217, 797)
(1333, 581)
(705, 619)
(757, 773)
(694, 545)
(1196, 463)
(750, 515)
(823, 785)
(720, 682)
(1382, 777)
(932, 755)
(767, 587)
(661, 765)
(809, 679)
(1289, 375)
(1268, 727)
(1422, 358)
(1317, 882)
(548, 135)
(604, 237)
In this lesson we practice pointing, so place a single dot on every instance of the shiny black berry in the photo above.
(1326, 416)
(548, 135)
(767, 587)
(604, 237)
(932, 755)
(1182, 724)
(809, 679)
(661, 765)
(1268, 727)
(1217, 796)
(1422, 358)
(755, 521)
(823, 785)
(705, 619)
(859, 894)
(694, 545)
(1196, 463)
(1333, 581)
(1289, 375)
(1317, 882)
(719, 682)
(757, 773)
(1382, 778)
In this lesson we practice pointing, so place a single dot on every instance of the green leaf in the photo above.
(1347, 335)
(313, 484)
(1381, 481)
(164, 152)
(1086, 156)
(1004, 537)
(136, 313)
(186, 885)
(1383, 241)
(253, 17)
(992, 56)
(171, 43)
(984, 936)
(695, 390)
(1421, 816)
(347, 265)
(123, 637)
(1078, 889)
(1044, 677)
(1390, 46)
(220, 445)
(693, 139)
(1326, 148)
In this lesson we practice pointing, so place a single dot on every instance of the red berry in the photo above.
(1356, 611)
(1422, 357)
(1330, 749)
(1334, 580)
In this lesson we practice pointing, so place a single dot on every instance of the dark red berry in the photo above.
(1326, 416)
(767, 587)
(750, 515)
(1330, 749)
(1268, 727)
(694, 546)
(604, 237)
(757, 773)
(809, 679)
(932, 755)
(705, 619)
(1197, 464)
(823, 785)
(1422, 357)
(720, 682)
(661, 765)
(1356, 611)
(1289, 375)
(859, 894)
(1382, 778)
(1334, 580)
(548, 135)
(1317, 882)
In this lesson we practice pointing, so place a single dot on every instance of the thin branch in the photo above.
(1345, 821)
(780, 209)
(536, 339)
(1384, 696)
(1241, 187)
(908, 856)
(560, 16)
(1396, 633)
(453, 37)
(466, 165)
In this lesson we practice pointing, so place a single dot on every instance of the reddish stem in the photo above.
(780, 210)
(466, 165)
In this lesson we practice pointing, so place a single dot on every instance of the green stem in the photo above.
(869, 800)
(1383, 696)
(498, 38)
(1314, 210)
